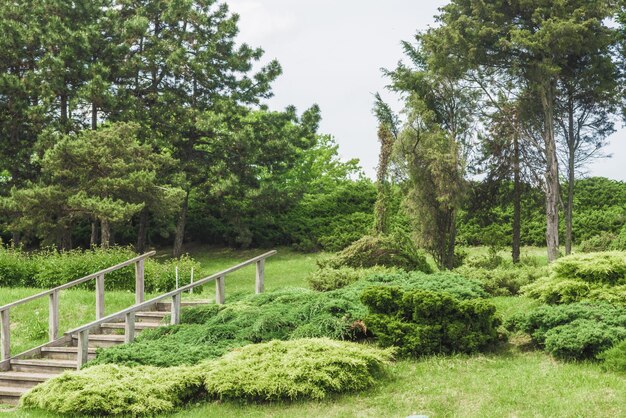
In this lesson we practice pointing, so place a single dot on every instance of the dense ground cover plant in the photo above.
(422, 322)
(299, 369)
(386, 251)
(51, 268)
(328, 278)
(278, 370)
(614, 359)
(504, 280)
(598, 243)
(594, 276)
(573, 331)
(117, 390)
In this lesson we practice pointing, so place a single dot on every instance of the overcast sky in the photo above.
(332, 51)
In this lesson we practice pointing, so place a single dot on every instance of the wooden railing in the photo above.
(53, 295)
(129, 313)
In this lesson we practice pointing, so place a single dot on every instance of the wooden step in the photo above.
(101, 340)
(115, 327)
(11, 395)
(152, 317)
(22, 379)
(42, 365)
(65, 353)
(167, 306)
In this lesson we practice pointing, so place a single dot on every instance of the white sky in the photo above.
(331, 52)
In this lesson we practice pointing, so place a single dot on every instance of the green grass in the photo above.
(509, 383)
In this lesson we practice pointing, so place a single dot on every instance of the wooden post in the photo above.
(83, 349)
(220, 296)
(175, 315)
(100, 296)
(5, 340)
(129, 329)
(139, 281)
(260, 276)
(53, 316)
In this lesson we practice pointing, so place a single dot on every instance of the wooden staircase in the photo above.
(20, 373)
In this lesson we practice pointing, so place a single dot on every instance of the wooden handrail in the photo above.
(53, 295)
(78, 281)
(176, 292)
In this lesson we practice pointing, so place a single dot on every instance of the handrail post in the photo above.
(175, 314)
(129, 328)
(100, 296)
(139, 281)
(220, 295)
(53, 316)
(260, 276)
(5, 340)
(83, 349)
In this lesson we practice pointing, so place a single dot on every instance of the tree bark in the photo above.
(93, 241)
(180, 228)
(569, 207)
(552, 173)
(380, 209)
(517, 200)
(105, 236)
(94, 116)
(142, 235)
(64, 110)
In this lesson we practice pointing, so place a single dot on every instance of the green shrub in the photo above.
(423, 322)
(615, 358)
(603, 268)
(328, 278)
(619, 244)
(598, 243)
(300, 369)
(344, 230)
(116, 390)
(582, 339)
(386, 251)
(16, 268)
(161, 277)
(554, 290)
(574, 331)
(504, 280)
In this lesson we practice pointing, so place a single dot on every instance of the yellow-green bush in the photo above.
(299, 369)
(117, 390)
(328, 278)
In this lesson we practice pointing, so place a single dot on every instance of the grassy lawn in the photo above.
(512, 382)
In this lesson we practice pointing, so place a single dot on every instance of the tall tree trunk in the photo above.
(93, 240)
(16, 239)
(142, 235)
(569, 208)
(64, 110)
(552, 173)
(380, 209)
(517, 200)
(105, 236)
(451, 244)
(180, 227)
(94, 116)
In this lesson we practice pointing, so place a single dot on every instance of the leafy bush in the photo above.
(615, 358)
(16, 268)
(327, 278)
(161, 277)
(423, 322)
(116, 390)
(281, 315)
(619, 244)
(345, 230)
(503, 280)
(554, 290)
(598, 243)
(300, 369)
(386, 251)
(607, 267)
(574, 331)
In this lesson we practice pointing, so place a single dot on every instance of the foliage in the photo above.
(503, 280)
(620, 242)
(423, 322)
(593, 276)
(574, 331)
(614, 359)
(598, 243)
(385, 251)
(299, 369)
(51, 268)
(328, 278)
(116, 390)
